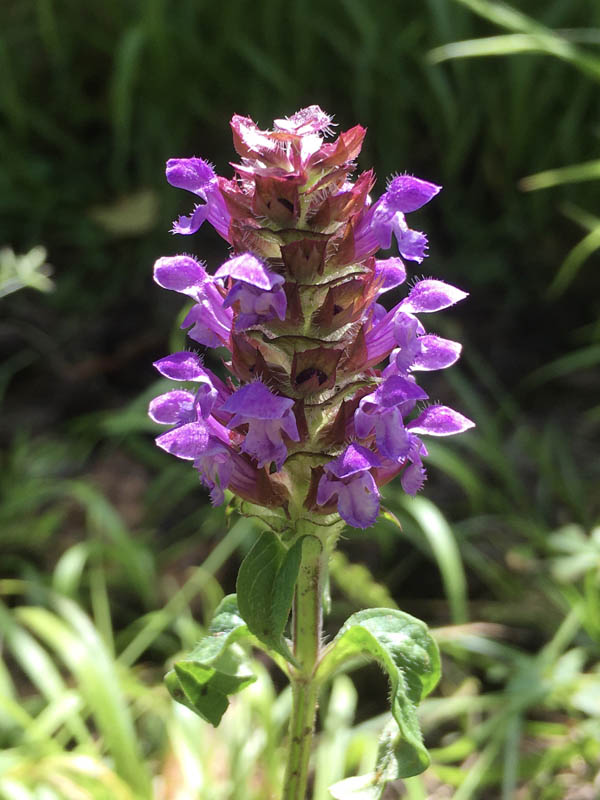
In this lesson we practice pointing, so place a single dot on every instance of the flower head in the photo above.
(315, 354)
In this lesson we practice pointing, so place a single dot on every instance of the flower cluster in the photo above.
(321, 406)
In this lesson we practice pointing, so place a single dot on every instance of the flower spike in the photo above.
(316, 357)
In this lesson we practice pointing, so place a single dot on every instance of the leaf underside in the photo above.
(215, 668)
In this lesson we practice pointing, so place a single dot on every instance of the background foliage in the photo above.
(112, 560)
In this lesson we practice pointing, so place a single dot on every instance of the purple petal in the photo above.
(355, 458)
(182, 366)
(264, 443)
(279, 303)
(391, 435)
(412, 478)
(364, 422)
(440, 421)
(255, 401)
(169, 408)
(326, 489)
(392, 271)
(397, 389)
(179, 273)
(245, 321)
(407, 193)
(187, 441)
(249, 269)
(191, 174)
(289, 426)
(189, 225)
(216, 467)
(411, 244)
(406, 329)
(358, 501)
(199, 330)
(436, 353)
(432, 295)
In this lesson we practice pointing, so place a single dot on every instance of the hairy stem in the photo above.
(307, 625)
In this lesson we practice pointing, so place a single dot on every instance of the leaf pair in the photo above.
(216, 667)
(399, 643)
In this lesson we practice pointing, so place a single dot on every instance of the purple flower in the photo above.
(197, 176)
(349, 479)
(189, 436)
(195, 435)
(185, 366)
(400, 328)
(386, 216)
(257, 290)
(433, 421)
(215, 465)
(384, 410)
(268, 416)
(210, 321)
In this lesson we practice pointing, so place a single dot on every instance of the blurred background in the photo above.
(112, 558)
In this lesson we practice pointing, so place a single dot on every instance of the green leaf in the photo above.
(402, 645)
(372, 785)
(265, 589)
(215, 668)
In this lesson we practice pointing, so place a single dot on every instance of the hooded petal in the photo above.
(436, 353)
(440, 421)
(192, 174)
(355, 458)
(397, 389)
(311, 119)
(249, 269)
(431, 295)
(182, 366)
(406, 193)
(180, 274)
(255, 401)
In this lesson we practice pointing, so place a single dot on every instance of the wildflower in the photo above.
(317, 360)
(257, 290)
(383, 412)
(348, 479)
(209, 319)
(268, 416)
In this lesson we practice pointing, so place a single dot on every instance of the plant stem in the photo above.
(307, 626)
